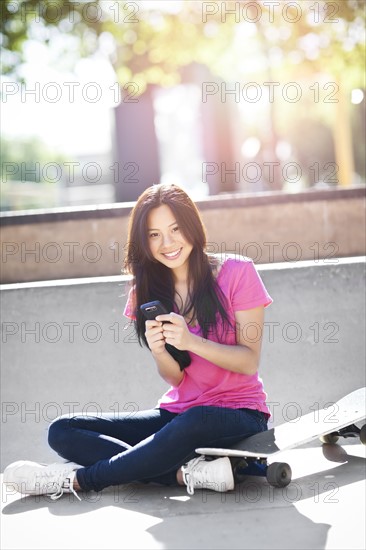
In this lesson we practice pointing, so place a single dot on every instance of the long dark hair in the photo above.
(154, 281)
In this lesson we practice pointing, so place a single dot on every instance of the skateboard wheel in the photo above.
(329, 438)
(279, 474)
(363, 434)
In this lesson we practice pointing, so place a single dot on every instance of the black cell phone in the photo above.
(151, 310)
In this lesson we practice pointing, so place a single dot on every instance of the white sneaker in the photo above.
(216, 475)
(32, 478)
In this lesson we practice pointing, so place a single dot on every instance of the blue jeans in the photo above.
(146, 446)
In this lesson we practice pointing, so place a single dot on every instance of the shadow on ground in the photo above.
(254, 515)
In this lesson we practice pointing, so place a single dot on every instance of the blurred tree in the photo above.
(43, 21)
(152, 44)
(155, 43)
(358, 119)
(314, 149)
(25, 162)
(17, 160)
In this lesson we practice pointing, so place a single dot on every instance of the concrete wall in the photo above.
(269, 227)
(66, 346)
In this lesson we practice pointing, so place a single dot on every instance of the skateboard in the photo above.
(336, 420)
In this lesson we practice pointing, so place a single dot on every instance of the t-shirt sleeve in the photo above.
(129, 310)
(248, 290)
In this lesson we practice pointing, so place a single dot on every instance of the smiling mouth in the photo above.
(172, 255)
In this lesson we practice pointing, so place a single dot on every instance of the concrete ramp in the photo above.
(66, 347)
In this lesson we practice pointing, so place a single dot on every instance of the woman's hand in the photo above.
(154, 336)
(167, 366)
(176, 331)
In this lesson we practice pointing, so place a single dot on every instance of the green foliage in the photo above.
(28, 170)
(42, 20)
(19, 159)
(152, 46)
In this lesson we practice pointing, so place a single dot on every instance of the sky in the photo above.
(71, 113)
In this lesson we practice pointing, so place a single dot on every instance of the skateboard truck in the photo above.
(349, 431)
(278, 474)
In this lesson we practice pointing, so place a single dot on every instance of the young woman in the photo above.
(216, 310)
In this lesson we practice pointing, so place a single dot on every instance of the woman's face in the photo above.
(167, 243)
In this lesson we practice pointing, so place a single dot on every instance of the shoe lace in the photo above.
(66, 485)
(189, 473)
(60, 483)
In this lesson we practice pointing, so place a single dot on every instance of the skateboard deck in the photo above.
(338, 419)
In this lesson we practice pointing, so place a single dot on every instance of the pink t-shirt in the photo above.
(204, 383)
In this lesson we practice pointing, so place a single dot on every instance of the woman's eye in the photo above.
(176, 228)
(152, 235)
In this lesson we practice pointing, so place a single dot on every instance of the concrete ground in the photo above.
(323, 507)
(316, 356)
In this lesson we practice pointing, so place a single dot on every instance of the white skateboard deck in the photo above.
(345, 412)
